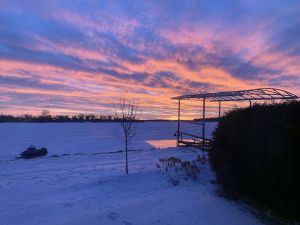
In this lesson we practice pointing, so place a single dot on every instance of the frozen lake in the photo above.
(64, 138)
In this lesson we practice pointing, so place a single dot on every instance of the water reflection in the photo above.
(162, 143)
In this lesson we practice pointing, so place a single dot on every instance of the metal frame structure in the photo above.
(242, 95)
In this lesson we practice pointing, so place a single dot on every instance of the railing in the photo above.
(194, 141)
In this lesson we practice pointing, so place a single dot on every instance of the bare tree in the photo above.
(45, 113)
(126, 114)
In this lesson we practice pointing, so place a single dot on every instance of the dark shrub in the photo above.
(255, 154)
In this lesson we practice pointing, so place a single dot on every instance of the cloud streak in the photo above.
(82, 56)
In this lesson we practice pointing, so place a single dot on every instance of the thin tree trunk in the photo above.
(126, 152)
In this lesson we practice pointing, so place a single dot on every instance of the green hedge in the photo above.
(256, 154)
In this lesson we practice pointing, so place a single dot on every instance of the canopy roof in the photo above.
(254, 94)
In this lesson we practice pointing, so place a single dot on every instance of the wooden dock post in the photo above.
(178, 123)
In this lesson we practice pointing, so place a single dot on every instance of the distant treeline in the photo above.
(47, 118)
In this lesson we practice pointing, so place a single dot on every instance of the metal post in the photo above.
(219, 109)
(203, 122)
(178, 122)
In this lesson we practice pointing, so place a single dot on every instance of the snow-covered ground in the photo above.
(93, 189)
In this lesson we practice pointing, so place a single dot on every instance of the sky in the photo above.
(74, 56)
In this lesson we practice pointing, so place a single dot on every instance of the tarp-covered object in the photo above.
(33, 152)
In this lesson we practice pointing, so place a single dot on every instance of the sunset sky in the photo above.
(75, 56)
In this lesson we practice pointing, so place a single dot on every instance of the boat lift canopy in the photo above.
(226, 96)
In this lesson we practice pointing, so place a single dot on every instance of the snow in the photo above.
(70, 138)
(93, 189)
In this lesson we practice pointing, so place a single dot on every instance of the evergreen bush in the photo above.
(256, 154)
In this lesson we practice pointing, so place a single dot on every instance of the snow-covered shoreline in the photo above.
(93, 189)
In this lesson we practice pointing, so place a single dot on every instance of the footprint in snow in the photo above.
(112, 215)
(67, 204)
(127, 223)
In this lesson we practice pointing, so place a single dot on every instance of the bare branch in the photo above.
(126, 114)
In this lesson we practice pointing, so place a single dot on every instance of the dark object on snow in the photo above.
(33, 152)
